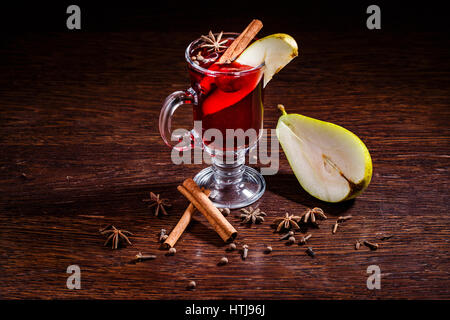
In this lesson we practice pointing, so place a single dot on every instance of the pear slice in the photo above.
(330, 162)
(276, 51)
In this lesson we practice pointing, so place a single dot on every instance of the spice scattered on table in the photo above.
(182, 224)
(309, 251)
(372, 246)
(312, 215)
(223, 261)
(203, 204)
(335, 227)
(249, 215)
(244, 251)
(225, 211)
(26, 176)
(163, 235)
(287, 222)
(192, 285)
(115, 236)
(287, 235)
(142, 257)
(338, 222)
(252, 215)
(343, 219)
(159, 203)
(304, 239)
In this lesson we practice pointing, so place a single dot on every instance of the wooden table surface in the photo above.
(80, 148)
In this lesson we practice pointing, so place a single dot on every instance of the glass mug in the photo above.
(228, 100)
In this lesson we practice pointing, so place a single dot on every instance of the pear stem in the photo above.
(281, 107)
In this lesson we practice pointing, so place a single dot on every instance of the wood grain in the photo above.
(79, 117)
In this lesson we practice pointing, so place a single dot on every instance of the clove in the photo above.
(225, 211)
(309, 251)
(335, 228)
(244, 251)
(26, 176)
(223, 261)
(304, 239)
(287, 235)
(291, 240)
(142, 257)
(372, 246)
(344, 218)
(192, 285)
(162, 235)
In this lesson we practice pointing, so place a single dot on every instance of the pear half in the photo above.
(330, 162)
(275, 50)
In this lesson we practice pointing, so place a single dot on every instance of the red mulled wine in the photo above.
(230, 96)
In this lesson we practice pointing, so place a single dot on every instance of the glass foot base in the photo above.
(231, 193)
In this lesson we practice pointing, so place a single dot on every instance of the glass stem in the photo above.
(228, 171)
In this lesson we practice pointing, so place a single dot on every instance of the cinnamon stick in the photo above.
(182, 224)
(241, 42)
(200, 208)
(201, 201)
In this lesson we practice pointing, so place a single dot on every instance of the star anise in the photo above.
(212, 43)
(252, 215)
(312, 215)
(158, 202)
(287, 222)
(115, 236)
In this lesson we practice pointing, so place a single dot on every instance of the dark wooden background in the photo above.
(80, 148)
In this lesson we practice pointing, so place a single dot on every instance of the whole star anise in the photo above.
(287, 222)
(212, 43)
(312, 215)
(252, 215)
(115, 236)
(158, 202)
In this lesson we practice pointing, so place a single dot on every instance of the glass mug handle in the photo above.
(172, 102)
